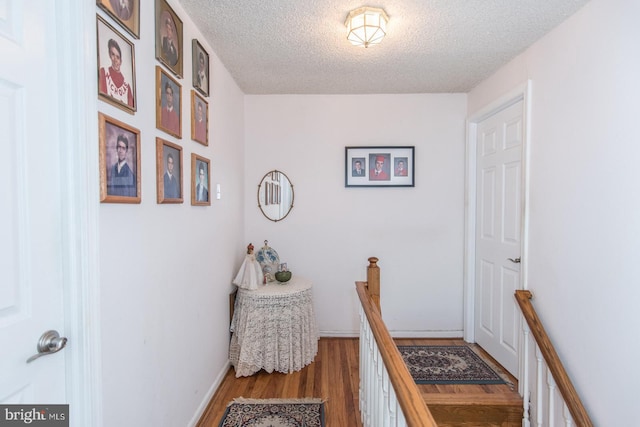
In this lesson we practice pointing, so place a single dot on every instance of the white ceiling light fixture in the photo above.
(366, 26)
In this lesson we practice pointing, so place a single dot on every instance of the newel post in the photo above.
(373, 281)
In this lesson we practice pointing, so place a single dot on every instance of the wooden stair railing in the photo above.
(415, 411)
(373, 282)
(568, 392)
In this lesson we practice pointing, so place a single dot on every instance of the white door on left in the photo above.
(31, 289)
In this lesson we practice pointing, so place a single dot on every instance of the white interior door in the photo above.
(31, 291)
(498, 233)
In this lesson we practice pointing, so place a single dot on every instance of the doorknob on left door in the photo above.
(515, 261)
(50, 342)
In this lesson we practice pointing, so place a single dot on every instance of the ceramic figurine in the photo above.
(250, 274)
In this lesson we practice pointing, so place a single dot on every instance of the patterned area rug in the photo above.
(448, 365)
(274, 413)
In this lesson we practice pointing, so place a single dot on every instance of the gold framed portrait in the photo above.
(200, 181)
(168, 103)
(199, 119)
(116, 68)
(169, 49)
(168, 172)
(119, 161)
(200, 67)
(125, 12)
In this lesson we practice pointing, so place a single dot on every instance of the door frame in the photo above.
(520, 93)
(80, 192)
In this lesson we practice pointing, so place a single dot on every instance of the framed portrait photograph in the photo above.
(169, 38)
(200, 67)
(380, 166)
(119, 161)
(116, 68)
(168, 171)
(125, 12)
(168, 103)
(199, 119)
(200, 180)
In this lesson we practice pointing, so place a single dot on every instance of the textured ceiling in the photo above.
(432, 46)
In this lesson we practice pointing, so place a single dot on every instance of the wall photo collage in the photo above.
(120, 143)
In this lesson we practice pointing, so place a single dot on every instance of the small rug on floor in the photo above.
(274, 413)
(449, 364)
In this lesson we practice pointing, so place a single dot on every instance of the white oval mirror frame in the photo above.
(275, 195)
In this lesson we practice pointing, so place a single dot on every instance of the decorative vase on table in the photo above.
(283, 276)
(269, 261)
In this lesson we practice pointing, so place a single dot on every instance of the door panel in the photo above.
(30, 221)
(487, 273)
(498, 233)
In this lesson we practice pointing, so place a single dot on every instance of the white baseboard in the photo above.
(426, 334)
(339, 334)
(209, 395)
(457, 333)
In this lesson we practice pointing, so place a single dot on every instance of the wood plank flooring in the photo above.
(333, 376)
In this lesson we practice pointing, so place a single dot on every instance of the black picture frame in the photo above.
(380, 166)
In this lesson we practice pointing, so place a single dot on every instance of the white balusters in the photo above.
(568, 420)
(524, 374)
(547, 401)
(378, 404)
(385, 398)
(551, 391)
(539, 372)
(547, 404)
(394, 408)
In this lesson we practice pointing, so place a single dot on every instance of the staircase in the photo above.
(475, 410)
(471, 405)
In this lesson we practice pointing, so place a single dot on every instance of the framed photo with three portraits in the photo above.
(380, 166)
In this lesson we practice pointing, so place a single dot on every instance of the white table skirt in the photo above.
(274, 328)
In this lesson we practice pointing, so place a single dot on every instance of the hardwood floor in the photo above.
(333, 376)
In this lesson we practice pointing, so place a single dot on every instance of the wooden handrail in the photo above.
(568, 392)
(413, 407)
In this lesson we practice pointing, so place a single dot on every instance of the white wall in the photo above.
(166, 269)
(416, 232)
(585, 228)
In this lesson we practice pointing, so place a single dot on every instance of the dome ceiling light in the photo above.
(366, 26)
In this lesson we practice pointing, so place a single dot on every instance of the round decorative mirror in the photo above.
(275, 195)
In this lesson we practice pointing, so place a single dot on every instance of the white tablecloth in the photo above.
(274, 328)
